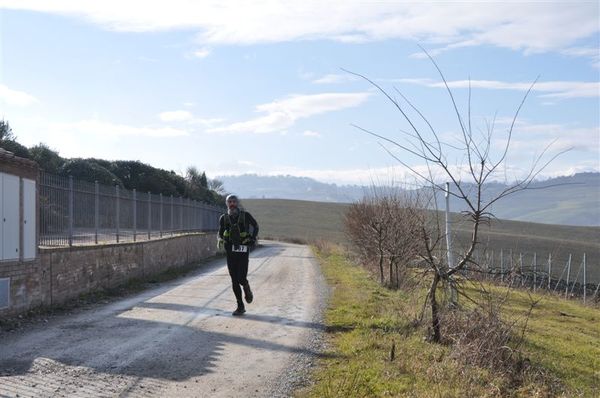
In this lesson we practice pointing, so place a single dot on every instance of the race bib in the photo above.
(239, 248)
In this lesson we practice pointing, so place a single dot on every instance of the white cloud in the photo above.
(188, 118)
(531, 137)
(310, 133)
(175, 116)
(590, 52)
(207, 122)
(527, 26)
(437, 51)
(335, 78)
(17, 98)
(200, 53)
(102, 128)
(552, 89)
(281, 114)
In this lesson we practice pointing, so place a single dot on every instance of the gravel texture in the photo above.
(178, 339)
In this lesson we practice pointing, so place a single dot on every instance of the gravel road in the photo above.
(179, 339)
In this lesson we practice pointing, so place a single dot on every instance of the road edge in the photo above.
(297, 374)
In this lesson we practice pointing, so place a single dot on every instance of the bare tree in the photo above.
(404, 215)
(475, 157)
(367, 230)
(382, 226)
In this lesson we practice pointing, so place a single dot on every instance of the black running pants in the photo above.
(237, 264)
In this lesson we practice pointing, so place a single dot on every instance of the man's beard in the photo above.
(233, 212)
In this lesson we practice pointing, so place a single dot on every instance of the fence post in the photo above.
(70, 210)
(501, 265)
(584, 280)
(172, 216)
(568, 275)
(521, 268)
(149, 214)
(160, 226)
(117, 211)
(96, 210)
(181, 213)
(511, 264)
(549, 271)
(534, 270)
(134, 214)
(491, 265)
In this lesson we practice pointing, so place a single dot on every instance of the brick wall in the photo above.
(26, 284)
(61, 274)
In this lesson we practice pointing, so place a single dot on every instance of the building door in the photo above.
(29, 220)
(10, 217)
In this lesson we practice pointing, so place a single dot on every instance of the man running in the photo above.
(236, 239)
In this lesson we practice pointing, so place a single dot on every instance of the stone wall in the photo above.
(61, 274)
(26, 280)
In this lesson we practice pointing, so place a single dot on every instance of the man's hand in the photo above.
(220, 244)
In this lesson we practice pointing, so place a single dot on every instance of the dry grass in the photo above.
(365, 320)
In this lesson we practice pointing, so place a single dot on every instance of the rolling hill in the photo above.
(572, 200)
(309, 221)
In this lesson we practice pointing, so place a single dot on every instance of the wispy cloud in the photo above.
(103, 128)
(554, 27)
(335, 78)
(15, 97)
(200, 53)
(310, 133)
(281, 114)
(529, 137)
(187, 117)
(590, 52)
(552, 89)
(175, 116)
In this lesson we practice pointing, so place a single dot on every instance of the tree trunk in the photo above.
(391, 271)
(435, 316)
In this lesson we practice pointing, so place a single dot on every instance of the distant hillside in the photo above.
(573, 200)
(310, 221)
(290, 187)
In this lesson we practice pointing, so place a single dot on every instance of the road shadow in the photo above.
(174, 346)
(136, 347)
(272, 319)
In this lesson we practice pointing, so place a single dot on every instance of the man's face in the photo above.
(232, 204)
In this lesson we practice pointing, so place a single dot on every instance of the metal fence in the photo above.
(77, 212)
(572, 276)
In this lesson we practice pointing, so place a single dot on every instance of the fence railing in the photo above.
(570, 276)
(77, 212)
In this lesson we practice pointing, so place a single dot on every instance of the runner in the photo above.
(237, 240)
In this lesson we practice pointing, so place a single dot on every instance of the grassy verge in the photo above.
(364, 321)
(564, 337)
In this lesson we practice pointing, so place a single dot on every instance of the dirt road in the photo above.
(178, 339)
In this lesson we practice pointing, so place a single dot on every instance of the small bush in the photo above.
(482, 339)
(324, 247)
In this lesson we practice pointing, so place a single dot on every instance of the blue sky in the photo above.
(257, 87)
